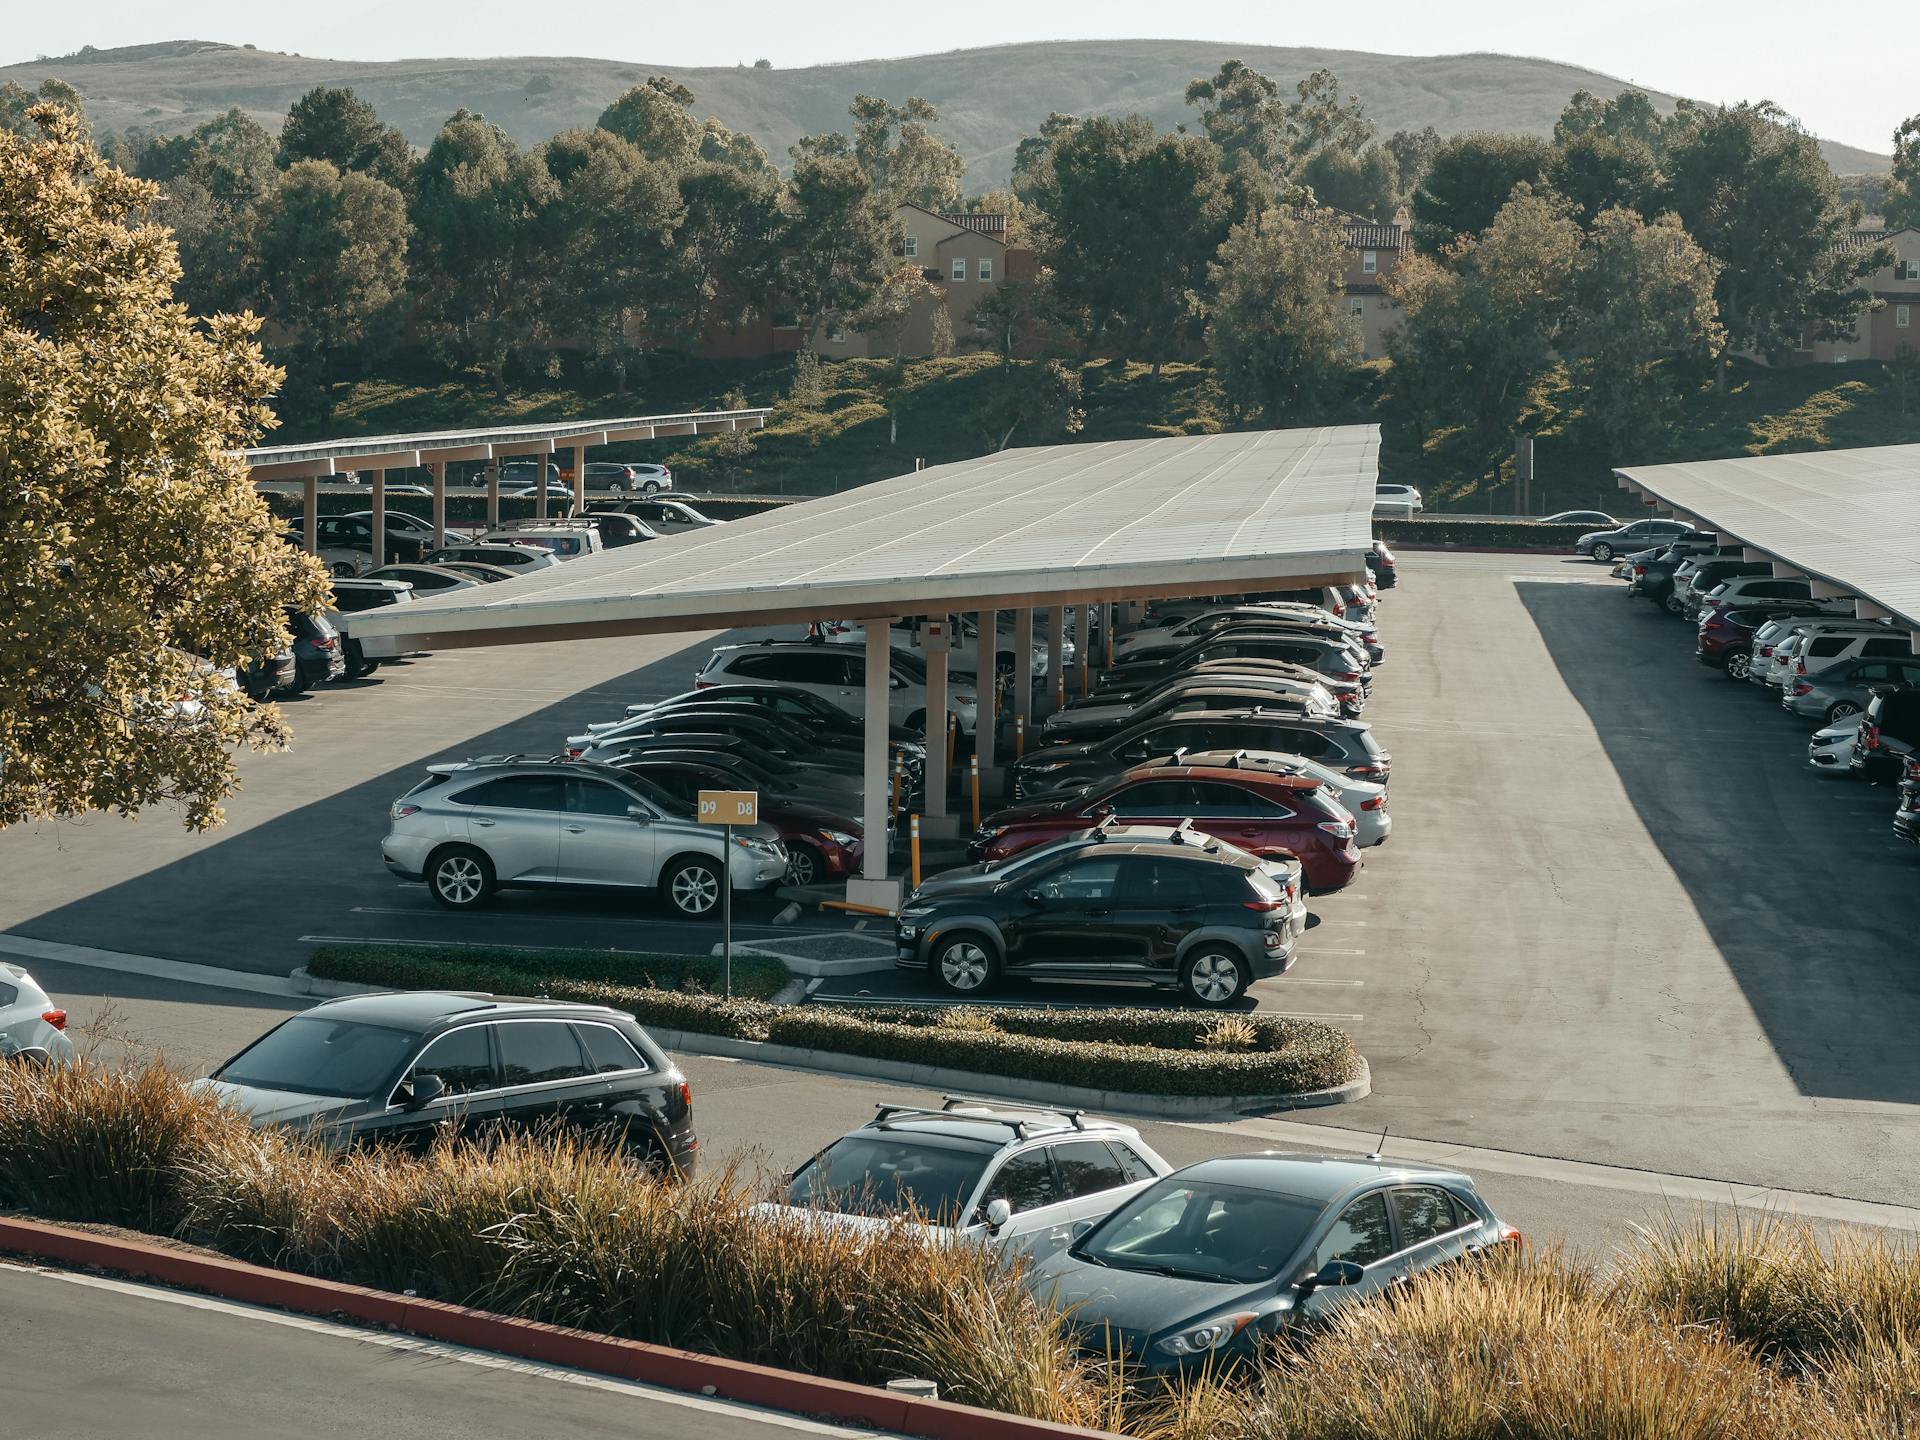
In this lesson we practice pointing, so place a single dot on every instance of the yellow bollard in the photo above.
(916, 851)
(974, 765)
(1019, 736)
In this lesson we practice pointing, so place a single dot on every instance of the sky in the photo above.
(1843, 67)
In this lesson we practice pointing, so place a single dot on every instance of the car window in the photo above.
(596, 797)
(1886, 647)
(1154, 798)
(868, 1174)
(608, 1050)
(8, 994)
(1867, 674)
(1132, 1167)
(462, 1060)
(1086, 1168)
(1026, 1182)
(1423, 1213)
(1362, 1234)
(1222, 801)
(1082, 881)
(532, 1051)
(1204, 1231)
(516, 792)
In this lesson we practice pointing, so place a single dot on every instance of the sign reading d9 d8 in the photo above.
(729, 807)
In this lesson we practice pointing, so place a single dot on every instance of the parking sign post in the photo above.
(727, 808)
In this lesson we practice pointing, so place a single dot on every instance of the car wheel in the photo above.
(1213, 977)
(653, 487)
(617, 487)
(1603, 552)
(804, 865)
(460, 878)
(693, 887)
(1739, 665)
(964, 964)
(1672, 605)
(1841, 710)
(342, 570)
(916, 722)
(299, 685)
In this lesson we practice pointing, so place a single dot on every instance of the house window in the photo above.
(1901, 314)
(959, 267)
(1370, 263)
(1907, 270)
(986, 270)
(1356, 308)
(838, 335)
(912, 248)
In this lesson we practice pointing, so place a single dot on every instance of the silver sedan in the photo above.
(30, 1023)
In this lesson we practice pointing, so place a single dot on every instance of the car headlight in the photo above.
(1046, 767)
(839, 837)
(1211, 1336)
(756, 846)
(963, 699)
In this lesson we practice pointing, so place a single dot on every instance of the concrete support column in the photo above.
(938, 637)
(1085, 631)
(1023, 664)
(986, 644)
(310, 513)
(1109, 630)
(439, 469)
(1056, 618)
(579, 479)
(379, 518)
(493, 496)
(540, 487)
(873, 887)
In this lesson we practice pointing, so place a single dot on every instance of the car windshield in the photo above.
(313, 1055)
(1195, 1230)
(888, 1174)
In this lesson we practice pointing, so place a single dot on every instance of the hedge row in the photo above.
(1505, 534)
(507, 971)
(1155, 1052)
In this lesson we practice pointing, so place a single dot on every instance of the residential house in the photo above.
(1893, 324)
(964, 256)
(1374, 250)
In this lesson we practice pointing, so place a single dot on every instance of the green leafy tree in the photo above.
(1628, 116)
(838, 239)
(1480, 324)
(1644, 320)
(1014, 311)
(1754, 190)
(902, 157)
(333, 260)
(1279, 332)
(17, 104)
(1598, 172)
(735, 148)
(1133, 218)
(601, 280)
(1241, 112)
(1360, 182)
(1470, 179)
(215, 180)
(888, 313)
(136, 558)
(1035, 397)
(1033, 157)
(339, 127)
(1902, 202)
(726, 249)
(656, 120)
(472, 275)
(1413, 152)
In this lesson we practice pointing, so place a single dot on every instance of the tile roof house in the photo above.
(1893, 324)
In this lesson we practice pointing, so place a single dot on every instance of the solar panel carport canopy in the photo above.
(1847, 518)
(1062, 524)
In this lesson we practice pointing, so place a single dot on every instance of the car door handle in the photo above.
(1102, 910)
(575, 829)
(478, 821)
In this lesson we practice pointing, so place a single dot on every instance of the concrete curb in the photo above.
(1000, 1087)
(682, 1370)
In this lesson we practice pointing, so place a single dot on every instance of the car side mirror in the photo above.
(999, 1212)
(639, 815)
(1033, 897)
(1335, 1273)
(894, 682)
(423, 1090)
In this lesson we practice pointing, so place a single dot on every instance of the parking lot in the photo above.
(1576, 944)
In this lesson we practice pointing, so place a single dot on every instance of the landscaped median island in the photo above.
(1157, 1053)
(1754, 1330)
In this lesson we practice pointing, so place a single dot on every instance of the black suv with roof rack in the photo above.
(403, 1067)
(1118, 902)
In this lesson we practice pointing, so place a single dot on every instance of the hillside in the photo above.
(988, 98)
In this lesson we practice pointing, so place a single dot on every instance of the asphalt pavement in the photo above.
(88, 1357)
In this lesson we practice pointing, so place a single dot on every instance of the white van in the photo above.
(563, 539)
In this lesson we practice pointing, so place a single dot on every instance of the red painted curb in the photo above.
(660, 1365)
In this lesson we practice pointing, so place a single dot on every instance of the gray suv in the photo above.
(472, 827)
(1844, 690)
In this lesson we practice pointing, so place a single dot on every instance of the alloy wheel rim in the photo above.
(1739, 665)
(695, 890)
(800, 866)
(964, 966)
(458, 879)
(1215, 978)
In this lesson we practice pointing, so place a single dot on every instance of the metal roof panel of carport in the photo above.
(1847, 518)
(1034, 527)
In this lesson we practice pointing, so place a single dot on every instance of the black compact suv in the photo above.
(397, 1068)
(1169, 907)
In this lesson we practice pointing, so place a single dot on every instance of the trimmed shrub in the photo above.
(421, 967)
(1459, 530)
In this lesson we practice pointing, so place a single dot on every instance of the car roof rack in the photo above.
(888, 1113)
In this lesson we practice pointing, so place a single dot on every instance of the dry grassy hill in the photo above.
(988, 98)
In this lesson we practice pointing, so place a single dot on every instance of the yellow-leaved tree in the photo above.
(137, 564)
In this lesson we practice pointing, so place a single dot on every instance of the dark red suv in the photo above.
(1726, 636)
(1263, 813)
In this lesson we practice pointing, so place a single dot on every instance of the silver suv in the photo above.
(474, 826)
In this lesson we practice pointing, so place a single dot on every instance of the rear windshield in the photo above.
(886, 1174)
(312, 1055)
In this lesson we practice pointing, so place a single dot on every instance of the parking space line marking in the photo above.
(1331, 950)
(1320, 980)
(151, 966)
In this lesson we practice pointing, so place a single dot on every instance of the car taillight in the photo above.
(1265, 906)
(1639, 569)
(55, 1018)
(1803, 687)
(1766, 651)
(1375, 802)
(1710, 622)
(401, 811)
(1337, 828)
(1346, 675)
(1799, 668)
(1870, 737)
(700, 684)
(1362, 771)
(325, 642)
(686, 1096)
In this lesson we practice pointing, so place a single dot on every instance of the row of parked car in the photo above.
(522, 479)
(1858, 679)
